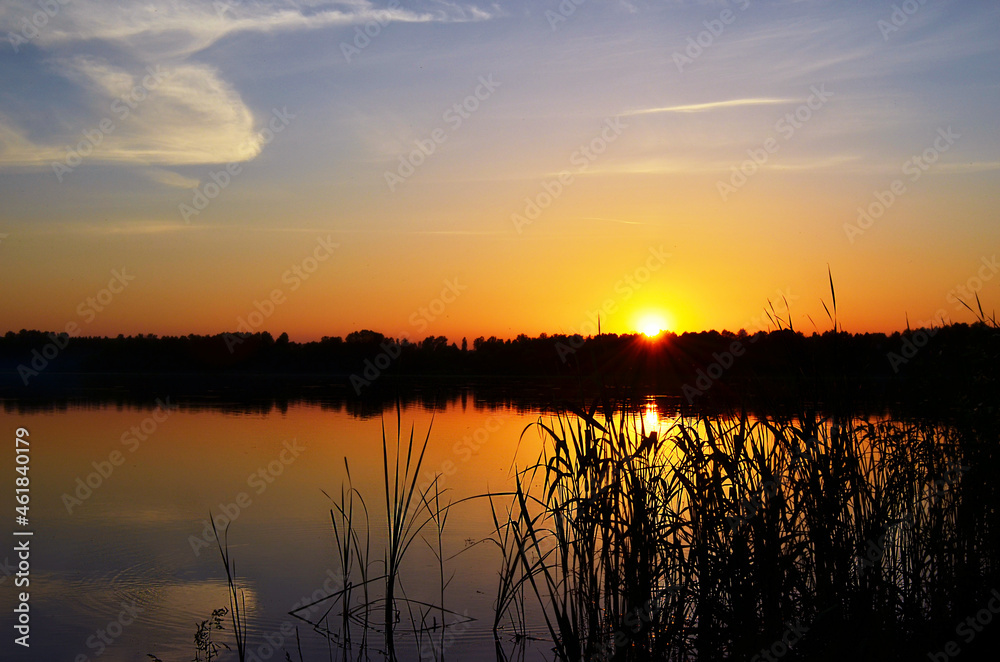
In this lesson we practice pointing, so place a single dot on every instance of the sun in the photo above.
(652, 323)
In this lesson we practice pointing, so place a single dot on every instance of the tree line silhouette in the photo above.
(921, 367)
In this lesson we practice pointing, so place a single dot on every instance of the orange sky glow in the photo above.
(476, 170)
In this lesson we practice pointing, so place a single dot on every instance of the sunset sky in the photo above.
(496, 168)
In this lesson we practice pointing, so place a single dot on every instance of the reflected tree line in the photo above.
(923, 368)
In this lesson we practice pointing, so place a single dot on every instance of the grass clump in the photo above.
(716, 537)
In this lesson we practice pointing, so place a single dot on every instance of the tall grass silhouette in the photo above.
(711, 538)
(714, 538)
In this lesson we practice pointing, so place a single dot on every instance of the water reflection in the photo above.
(121, 514)
(123, 500)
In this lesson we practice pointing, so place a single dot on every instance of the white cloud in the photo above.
(193, 116)
(186, 114)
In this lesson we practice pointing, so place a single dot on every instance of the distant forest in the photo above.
(939, 368)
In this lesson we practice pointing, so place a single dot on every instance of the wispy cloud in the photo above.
(170, 178)
(711, 105)
(116, 228)
(175, 28)
(189, 115)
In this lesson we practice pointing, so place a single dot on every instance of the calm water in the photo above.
(119, 568)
